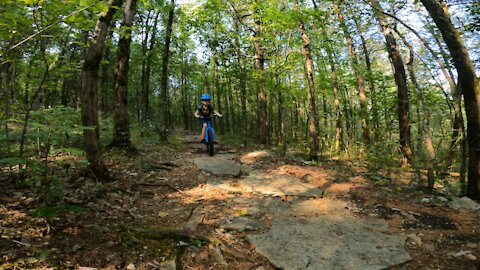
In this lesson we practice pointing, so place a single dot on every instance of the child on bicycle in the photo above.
(204, 112)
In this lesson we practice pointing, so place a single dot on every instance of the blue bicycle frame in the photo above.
(209, 130)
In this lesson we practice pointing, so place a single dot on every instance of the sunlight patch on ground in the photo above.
(252, 157)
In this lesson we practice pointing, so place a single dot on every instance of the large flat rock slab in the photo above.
(220, 165)
(327, 239)
(269, 184)
(278, 185)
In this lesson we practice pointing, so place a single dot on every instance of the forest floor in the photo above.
(162, 212)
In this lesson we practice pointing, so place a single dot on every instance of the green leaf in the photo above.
(13, 161)
(45, 211)
(82, 163)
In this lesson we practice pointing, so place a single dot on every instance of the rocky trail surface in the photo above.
(175, 207)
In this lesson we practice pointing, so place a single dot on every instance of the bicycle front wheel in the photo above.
(210, 142)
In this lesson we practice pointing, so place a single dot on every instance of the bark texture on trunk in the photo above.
(241, 82)
(312, 108)
(403, 93)
(469, 83)
(121, 136)
(89, 92)
(164, 111)
(259, 66)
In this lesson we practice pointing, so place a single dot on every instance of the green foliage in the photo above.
(55, 129)
(52, 211)
(12, 161)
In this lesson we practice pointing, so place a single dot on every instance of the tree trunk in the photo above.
(468, 81)
(230, 109)
(184, 94)
(259, 66)
(312, 108)
(141, 117)
(402, 87)
(146, 74)
(241, 82)
(217, 85)
(358, 76)
(338, 114)
(371, 83)
(281, 123)
(121, 136)
(164, 112)
(89, 94)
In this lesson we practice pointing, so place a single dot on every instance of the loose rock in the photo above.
(416, 239)
(472, 245)
(429, 247)
(464, 202)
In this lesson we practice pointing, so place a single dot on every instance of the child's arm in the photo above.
(217, 114)
(196, 114)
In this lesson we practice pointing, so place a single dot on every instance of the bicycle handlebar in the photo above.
(201, 117)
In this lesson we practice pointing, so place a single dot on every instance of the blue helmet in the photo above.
(205, 97)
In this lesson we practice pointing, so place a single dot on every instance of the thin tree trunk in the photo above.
(281, 123)
(402, 87)
(230, 109)
(164, 112)
(241, 82)
(338, 114)
(89, 93)
(218, 91)
(312, 108)
(143, 83)
(358, 76)
(371, 83)
(183, 86)
(121, 136)
(259, 66)
(469, 83)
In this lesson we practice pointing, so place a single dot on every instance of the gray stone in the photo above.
(464, 202)
(472, 245)
(471, 257)
(246, 169)
(220, 165)
(330, 242)
(414, 238)
(241, 224)
(429, 247)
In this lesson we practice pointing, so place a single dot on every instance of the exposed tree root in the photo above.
(179, 234)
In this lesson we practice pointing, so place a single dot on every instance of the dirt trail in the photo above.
(261, 212)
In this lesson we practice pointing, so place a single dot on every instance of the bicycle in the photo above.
(210, 137)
